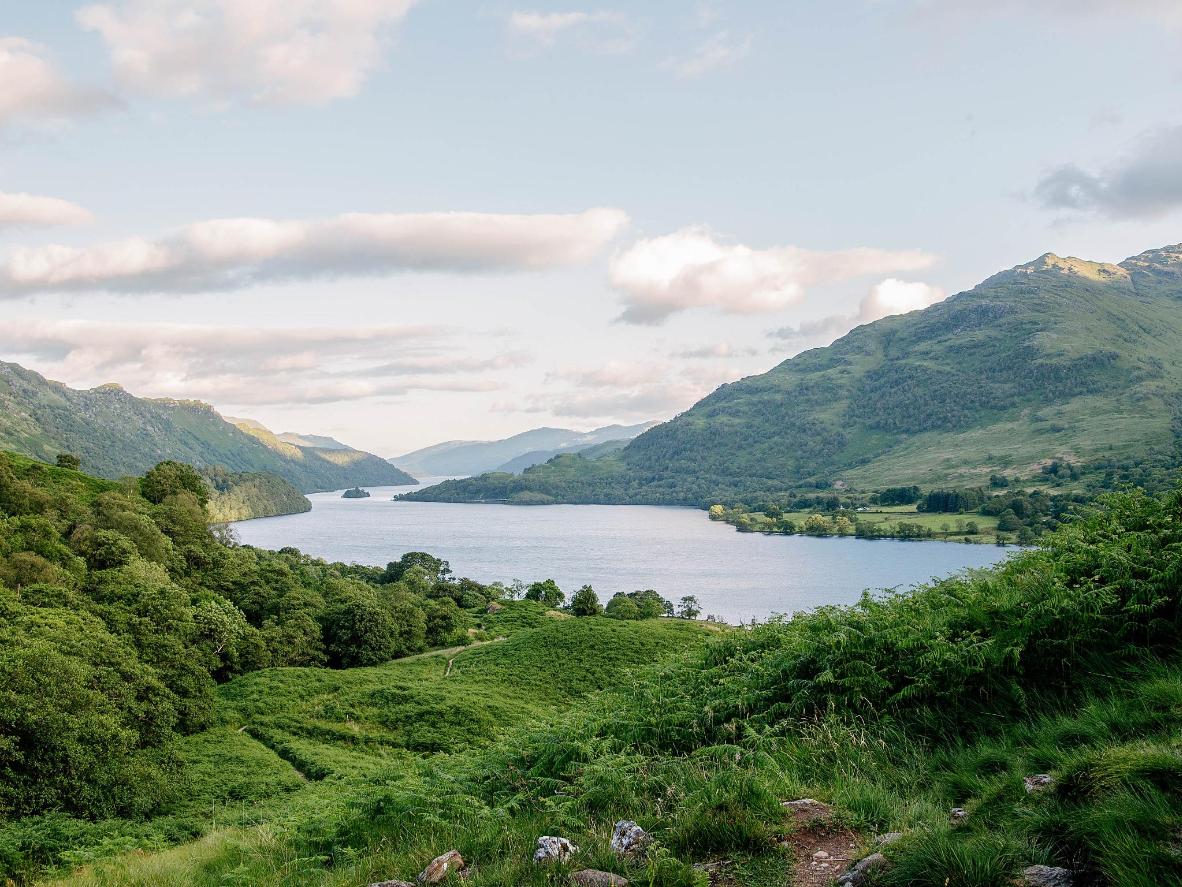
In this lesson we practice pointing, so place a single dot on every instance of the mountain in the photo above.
(312, 440)
(1057, 359)
(519, 451)
(613, 437)
(117, 434)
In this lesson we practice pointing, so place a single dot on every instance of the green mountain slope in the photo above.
(116, 434)
(1055, 359)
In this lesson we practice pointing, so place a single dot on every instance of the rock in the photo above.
(441, 867)
(391, 884)
(629, 839)
(861, 871)
(888, 838)
(596, 878)
(1038, 782)
(552, 849)
(958, 815)
(1046, 876)
(821, 854)
(808, 809)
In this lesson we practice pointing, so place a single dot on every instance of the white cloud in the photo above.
(893, 296)
(721, 50)
(249, 366)
(691, 268)
(283, 52)
(26, 210)
(232, 253)
(33, 90)
(1147, 183)
(886, 298)
(600, 30)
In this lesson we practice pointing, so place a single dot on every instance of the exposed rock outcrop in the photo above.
(629, 839)
(442, 866)
(862, 870)
(554, 849)
(1046, 876)
(596, 878)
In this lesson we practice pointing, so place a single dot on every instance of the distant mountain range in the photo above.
(116, 434)
(1057, 359)
(513, 454)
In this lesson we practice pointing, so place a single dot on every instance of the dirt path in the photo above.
(822, 848)
(451, 652)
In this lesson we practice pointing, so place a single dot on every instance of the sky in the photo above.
(398, 222)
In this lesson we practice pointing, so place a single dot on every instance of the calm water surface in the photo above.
(677, 551)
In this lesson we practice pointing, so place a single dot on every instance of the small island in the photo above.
(355, 493)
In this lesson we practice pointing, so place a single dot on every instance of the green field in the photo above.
(944, 527)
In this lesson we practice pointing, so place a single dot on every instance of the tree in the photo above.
(818, 525)
(169, 478)
(688, 607)
(444, 621)
(622, 607)
(436, 569)
(360, 630)
(68, 460)
(1009, 522)
(547, 592)
(585, 602)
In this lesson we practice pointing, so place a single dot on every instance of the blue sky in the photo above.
(657, 198)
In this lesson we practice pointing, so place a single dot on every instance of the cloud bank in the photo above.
(33, 90)
(29, 210)
(228, 254)
(280, 52)
(691, 268)
(1146, 183)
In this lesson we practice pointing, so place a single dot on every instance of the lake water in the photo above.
(677, 551)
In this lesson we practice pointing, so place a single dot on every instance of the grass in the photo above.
(1062, 661)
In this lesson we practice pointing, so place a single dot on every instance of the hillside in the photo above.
(157, 680)
(116, 434)
(983, 730)
(250, 495)
(1058, 359)
(466, 457)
